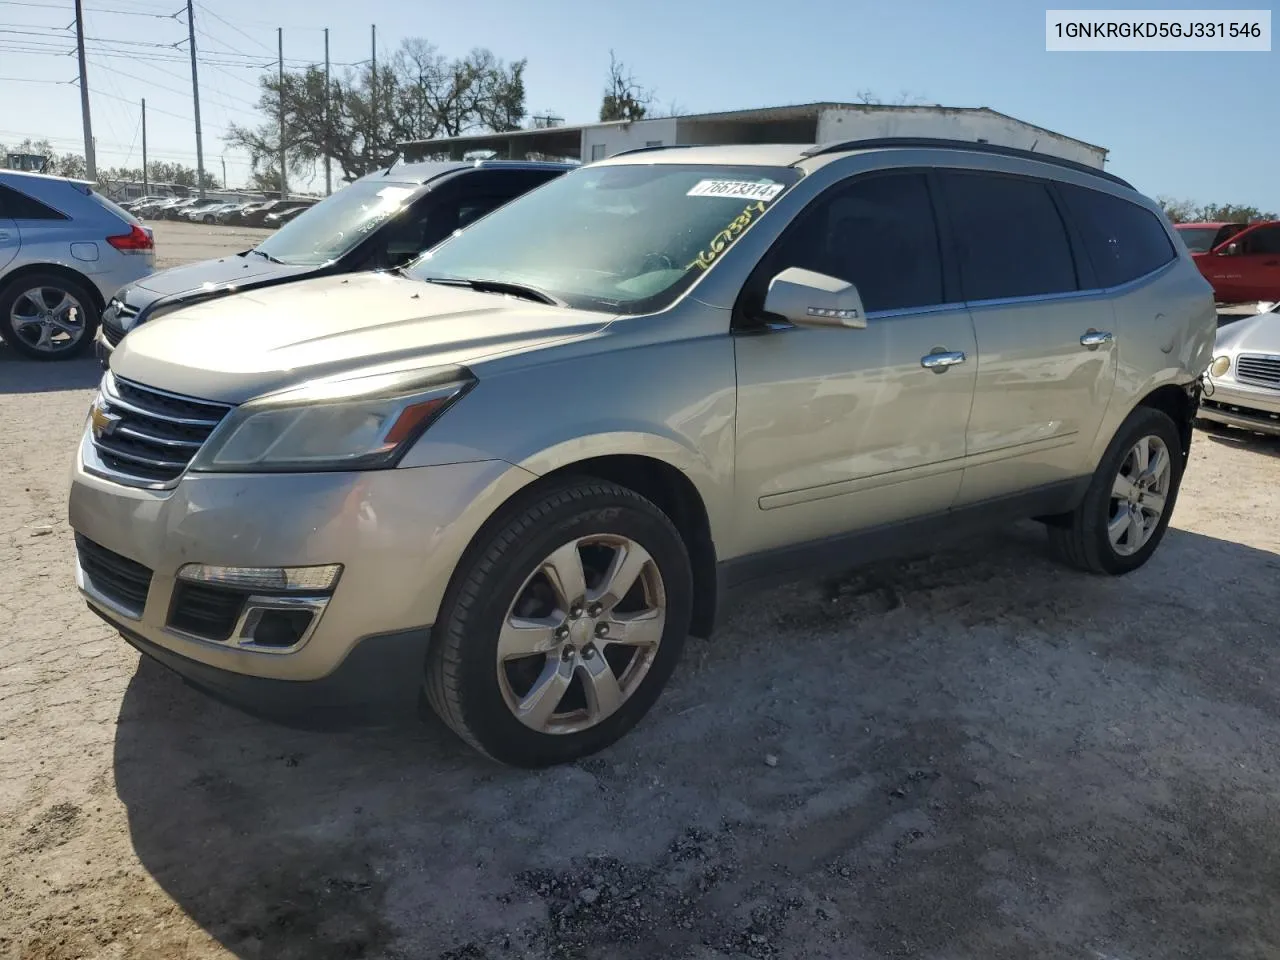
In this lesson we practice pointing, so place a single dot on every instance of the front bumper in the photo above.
(1236, 405)
(398, 535)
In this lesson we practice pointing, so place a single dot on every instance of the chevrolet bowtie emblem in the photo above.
(103, 423)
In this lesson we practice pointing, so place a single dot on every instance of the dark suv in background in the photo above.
(379, 221)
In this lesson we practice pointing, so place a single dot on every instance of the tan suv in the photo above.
(516, 474)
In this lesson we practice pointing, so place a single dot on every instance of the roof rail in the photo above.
(941, 143)
(668, 146)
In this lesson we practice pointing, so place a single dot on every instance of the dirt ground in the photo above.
(976, 754)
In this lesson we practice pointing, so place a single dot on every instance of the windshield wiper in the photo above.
(267, 255)
(499, 286)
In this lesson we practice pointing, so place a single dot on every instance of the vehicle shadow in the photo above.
(21, 375)
(824, 721)
(1267, 446)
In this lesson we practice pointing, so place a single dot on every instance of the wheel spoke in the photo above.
(1154, 502)
(564, 569)
(642, 629)
(537, 706)
(35, 298)
(1118, 525)
(1154, 474)
(22, 322)
(46, 337)
(604, 696)
(1142, 454)
(1136, 529)
(64, 305)
(523, 637)
(628, 562)
(1123, 488)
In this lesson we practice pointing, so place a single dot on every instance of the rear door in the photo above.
(1047, 352)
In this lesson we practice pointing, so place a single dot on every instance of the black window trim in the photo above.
(1076, 248)
(739, 325)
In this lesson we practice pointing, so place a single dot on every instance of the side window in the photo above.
(18, 206)
(1263, 240)
(1010, 238)
(1123, 240)
(878, 233)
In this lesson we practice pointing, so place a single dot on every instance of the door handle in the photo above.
(939, 362)
(1095, 338)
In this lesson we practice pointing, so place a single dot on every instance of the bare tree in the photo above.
(624, 98)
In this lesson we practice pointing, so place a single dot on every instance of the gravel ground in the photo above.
(974, 754)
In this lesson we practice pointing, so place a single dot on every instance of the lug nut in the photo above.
(575, 612)
(602, 629)
(567, 652)
(562, 633)
(588, 652)
(594, 610)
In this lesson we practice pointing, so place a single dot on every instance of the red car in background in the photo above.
(1242, 261)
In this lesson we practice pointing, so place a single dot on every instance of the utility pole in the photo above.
(195, 96)
(224, 173)
(328, 169)
(373, 94)
(146, 191)
(284, 180)
(90, 161)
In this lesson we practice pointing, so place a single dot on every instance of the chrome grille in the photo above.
(147, 437)
(1259, 368)
(113, 328)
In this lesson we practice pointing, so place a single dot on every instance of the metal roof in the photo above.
(800, 111)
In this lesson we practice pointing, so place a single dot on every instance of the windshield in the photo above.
(627, 238)
(1198, 239)
(327, 230)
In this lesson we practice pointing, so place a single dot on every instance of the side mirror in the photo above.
(1231, 250)
(811, 299)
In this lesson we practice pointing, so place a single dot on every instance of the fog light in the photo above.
(285, 579)
(275, 627)
(1220, 366)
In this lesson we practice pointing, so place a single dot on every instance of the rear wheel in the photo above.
(47, 317)
(562, 626)
(1126, 510)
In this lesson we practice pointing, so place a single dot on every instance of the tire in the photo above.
(208, 219)
(479, 699)
(21, 298)
(1083, 539)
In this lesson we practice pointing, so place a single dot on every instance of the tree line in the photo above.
(72, 165)
(1187, 211)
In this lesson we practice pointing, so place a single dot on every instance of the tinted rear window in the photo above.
(111, 205)
(1123, 240)
(16, 205)
(1010, 237)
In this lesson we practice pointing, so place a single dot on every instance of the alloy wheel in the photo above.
(581, 634)
(1139, 494)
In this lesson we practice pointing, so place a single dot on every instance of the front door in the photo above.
(840, 430)
(1252, 272)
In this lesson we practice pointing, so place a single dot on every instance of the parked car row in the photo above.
(514, 471)
(269, 213)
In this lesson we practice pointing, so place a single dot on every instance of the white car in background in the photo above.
(65, 249)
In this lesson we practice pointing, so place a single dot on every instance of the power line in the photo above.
(31, 80)
(62, 8)
(228, 23)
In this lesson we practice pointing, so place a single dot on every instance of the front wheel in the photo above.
(562, 626)
(1126, 510)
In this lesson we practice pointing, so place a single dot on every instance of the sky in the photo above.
(1195, 126)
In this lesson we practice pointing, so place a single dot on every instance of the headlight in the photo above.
(1220, 366)
(364, 423)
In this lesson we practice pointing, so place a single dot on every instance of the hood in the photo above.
(226, 272)
(1259, 333)
(237, 347)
